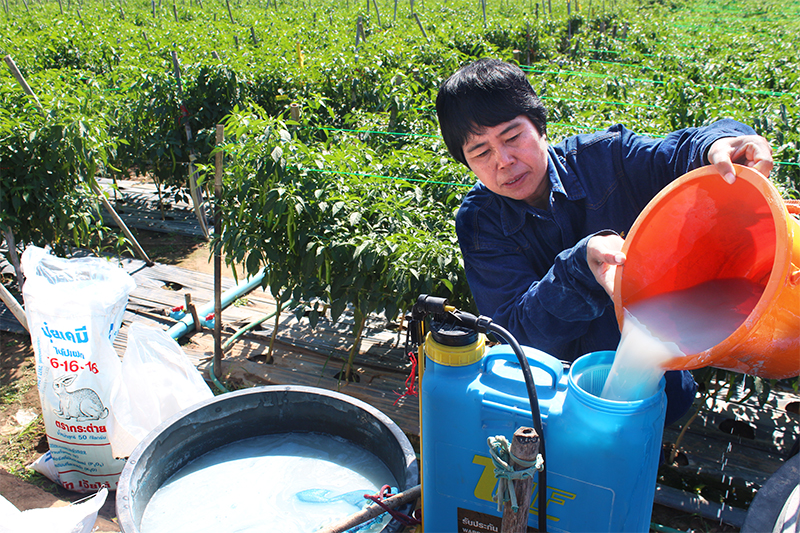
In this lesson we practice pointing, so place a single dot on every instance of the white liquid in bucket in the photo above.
(290, 482)
(673, 324)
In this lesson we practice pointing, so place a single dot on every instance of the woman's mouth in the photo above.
(514, 181)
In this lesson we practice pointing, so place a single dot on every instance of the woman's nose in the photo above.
(504, 157)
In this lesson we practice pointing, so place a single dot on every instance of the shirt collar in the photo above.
(562, 181)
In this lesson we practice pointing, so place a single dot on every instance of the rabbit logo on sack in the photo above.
(81, 405)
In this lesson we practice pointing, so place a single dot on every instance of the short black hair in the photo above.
(483, 94)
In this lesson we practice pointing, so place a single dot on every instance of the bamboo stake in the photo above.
(377, 13)
(21, 80)
(14, 307)
(25, 87)
(372, 511)
(217, 256)
(12, 253)
(230, 14)
(525, 446)
(419, 23)
(195, 191)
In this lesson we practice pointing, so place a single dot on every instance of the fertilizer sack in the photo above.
(74, 309)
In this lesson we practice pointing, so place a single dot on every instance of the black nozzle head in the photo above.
(428, 305)
(450, 333)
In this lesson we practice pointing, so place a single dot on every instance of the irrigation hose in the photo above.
(239, 333)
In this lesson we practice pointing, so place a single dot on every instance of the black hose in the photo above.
(483, 324)
(535, 414)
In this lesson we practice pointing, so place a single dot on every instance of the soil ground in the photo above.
(23, 438)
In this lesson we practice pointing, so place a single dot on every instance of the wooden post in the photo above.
(13, 306)
(217, 255)
(421, 28)
(25, 87)
(377, 13)
(145, 40)
(21, 80)
(61, 8)
(372, 511)
(175, 12)
(395, 11)
(230, 14)
(253, 35)
(528, 38)
(198, 326)
(483, 6)
(153, 7)
(11, 242)
(525, 446)
(195, 191)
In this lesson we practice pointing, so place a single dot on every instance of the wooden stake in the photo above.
(525, 446)
(13, 306)
(175, 12)
(253, 34)
(372, 511)
(419, 23)
(220, 135)
(198, 326)
(377, 13)
(21, 80)
(195, 191)
(230, 14)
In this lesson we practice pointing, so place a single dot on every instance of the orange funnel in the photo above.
(699, 229)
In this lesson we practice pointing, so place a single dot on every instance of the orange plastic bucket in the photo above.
(700, 228)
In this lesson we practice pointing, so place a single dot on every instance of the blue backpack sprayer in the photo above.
(601, 457)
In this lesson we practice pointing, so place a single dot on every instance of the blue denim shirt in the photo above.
(527, 267)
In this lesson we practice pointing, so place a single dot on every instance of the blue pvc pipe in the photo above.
(228, 297)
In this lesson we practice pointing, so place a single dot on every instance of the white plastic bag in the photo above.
(76, 518)
(157, 381)
(74, 309)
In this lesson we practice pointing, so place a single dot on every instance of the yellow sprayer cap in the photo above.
(455, 355)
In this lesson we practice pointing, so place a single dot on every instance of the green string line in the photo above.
(375, 131)
(654, 82)
(600, 102)
(561, 124)
(365, 175)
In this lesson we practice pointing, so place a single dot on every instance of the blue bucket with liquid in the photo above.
(602, 455)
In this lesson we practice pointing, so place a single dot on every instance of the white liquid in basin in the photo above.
(289, 482)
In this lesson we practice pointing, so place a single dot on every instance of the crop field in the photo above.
(335, 178)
